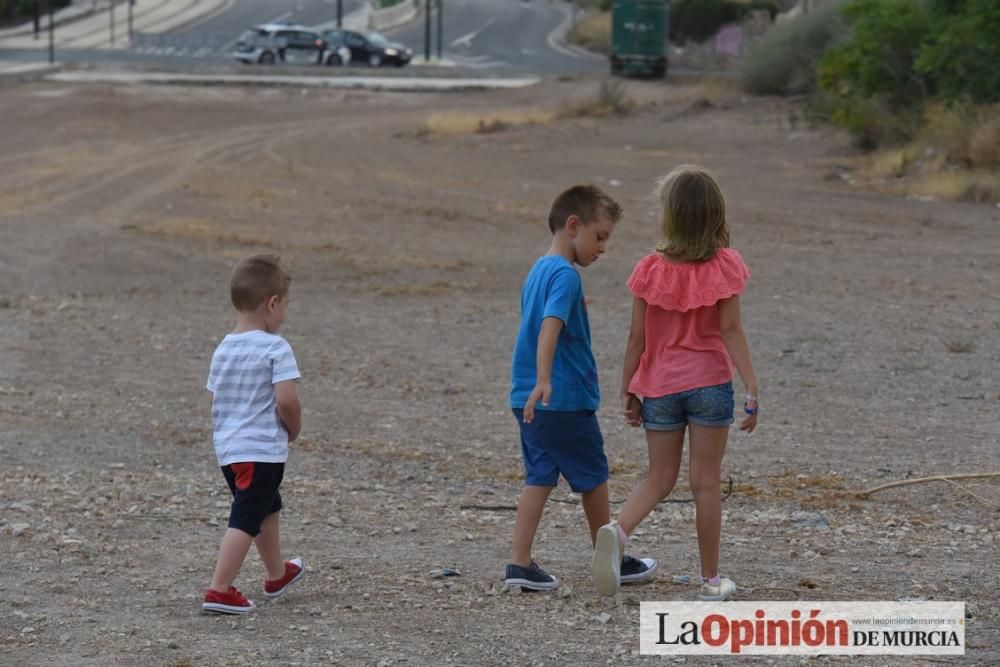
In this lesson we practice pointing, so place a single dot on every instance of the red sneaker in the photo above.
(230, 602)
(294, 569)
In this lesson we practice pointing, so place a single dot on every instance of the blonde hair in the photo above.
(692, 214)
(256, 279)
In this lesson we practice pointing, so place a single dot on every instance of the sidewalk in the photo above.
(83, 28)
(20, 71)
(393, 83)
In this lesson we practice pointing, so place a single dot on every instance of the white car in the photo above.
(279, 43)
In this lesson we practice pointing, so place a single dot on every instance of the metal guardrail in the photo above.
(196, 40)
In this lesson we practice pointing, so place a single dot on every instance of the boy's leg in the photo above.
(708, 445)
(530, 505)
(665, 450)
(269, 546)
(596, 508)
(232, 553)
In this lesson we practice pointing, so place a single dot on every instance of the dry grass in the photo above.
(959, 346)
(447, 123)
(954, 157)
(610, 99)
(593, 32)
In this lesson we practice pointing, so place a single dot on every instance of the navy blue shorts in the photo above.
(704, 406)
(255, 493)
(569, 443)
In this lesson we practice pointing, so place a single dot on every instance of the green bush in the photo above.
(784, 61)
(880, 58)
(698, 20)
(963, 53)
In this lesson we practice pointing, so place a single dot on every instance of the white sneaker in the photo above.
(606, 566)
(724, 591)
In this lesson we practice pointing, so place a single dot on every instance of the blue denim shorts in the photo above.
(704, 406)
(569, 443)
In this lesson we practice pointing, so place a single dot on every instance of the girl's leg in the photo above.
(232, 553)
(708, 445)
(665, 449)
(268, 543)
(596, 508)
(529, 512)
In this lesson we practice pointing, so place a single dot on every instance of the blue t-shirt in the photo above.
(553, 289)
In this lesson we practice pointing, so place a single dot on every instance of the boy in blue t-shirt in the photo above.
(554, 391)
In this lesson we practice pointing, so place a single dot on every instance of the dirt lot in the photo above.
(874, 324)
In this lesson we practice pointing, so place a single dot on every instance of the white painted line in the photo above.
(466, 39)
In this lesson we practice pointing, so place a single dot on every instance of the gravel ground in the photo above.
(874, 324)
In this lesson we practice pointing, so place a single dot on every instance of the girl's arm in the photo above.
(634, 348)
(731, 326)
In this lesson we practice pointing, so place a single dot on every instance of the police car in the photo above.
(280, 43)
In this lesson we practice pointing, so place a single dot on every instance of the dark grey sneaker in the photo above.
(634, 570)
(532, 577)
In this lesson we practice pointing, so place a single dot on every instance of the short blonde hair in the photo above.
(256, 279)
(692, 214)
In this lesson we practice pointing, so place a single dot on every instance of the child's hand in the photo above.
(543, 391)
(750, 423)
(632, 410)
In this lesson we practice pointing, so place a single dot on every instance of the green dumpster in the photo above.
(638, 35)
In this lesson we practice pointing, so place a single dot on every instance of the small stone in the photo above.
(603, 617)
(17, 529)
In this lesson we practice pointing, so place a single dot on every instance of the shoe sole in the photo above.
(637, 578)
(533, 585)
(721, 597)
(219, 608)
(284, 589)
(605, 569)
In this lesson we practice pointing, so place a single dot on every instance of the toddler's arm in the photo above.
(289, 408)
(548, 338)
(633, 353)
(731, 326)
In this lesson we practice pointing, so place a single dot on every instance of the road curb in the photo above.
(395, 84)
(28, 72)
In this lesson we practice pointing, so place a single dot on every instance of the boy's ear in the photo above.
(272, 301)
(573, 223)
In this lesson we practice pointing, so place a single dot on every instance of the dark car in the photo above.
(370, 47)
(284, 43)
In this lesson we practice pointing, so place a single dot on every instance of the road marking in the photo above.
(467, 38)
(559, 33)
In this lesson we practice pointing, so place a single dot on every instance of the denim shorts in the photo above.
(569, 443)
(704, 406)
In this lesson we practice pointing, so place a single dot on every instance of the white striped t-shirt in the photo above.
(245, 368)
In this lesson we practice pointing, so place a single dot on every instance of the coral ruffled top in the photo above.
(684, 346)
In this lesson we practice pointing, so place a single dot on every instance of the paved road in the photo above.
(519, 35)
(499, 36)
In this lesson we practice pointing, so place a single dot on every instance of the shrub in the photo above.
(698, 20)
(880, 57)
(963, 53)
(784, 61)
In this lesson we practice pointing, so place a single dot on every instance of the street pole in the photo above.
(427, 31)
(36, 17)
(111, 17)
(340, 12)
(52, 34)
(131, 4)
(573, 21)
(440, 4)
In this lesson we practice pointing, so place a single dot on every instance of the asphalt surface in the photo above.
(492, 36)
(518, 35)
